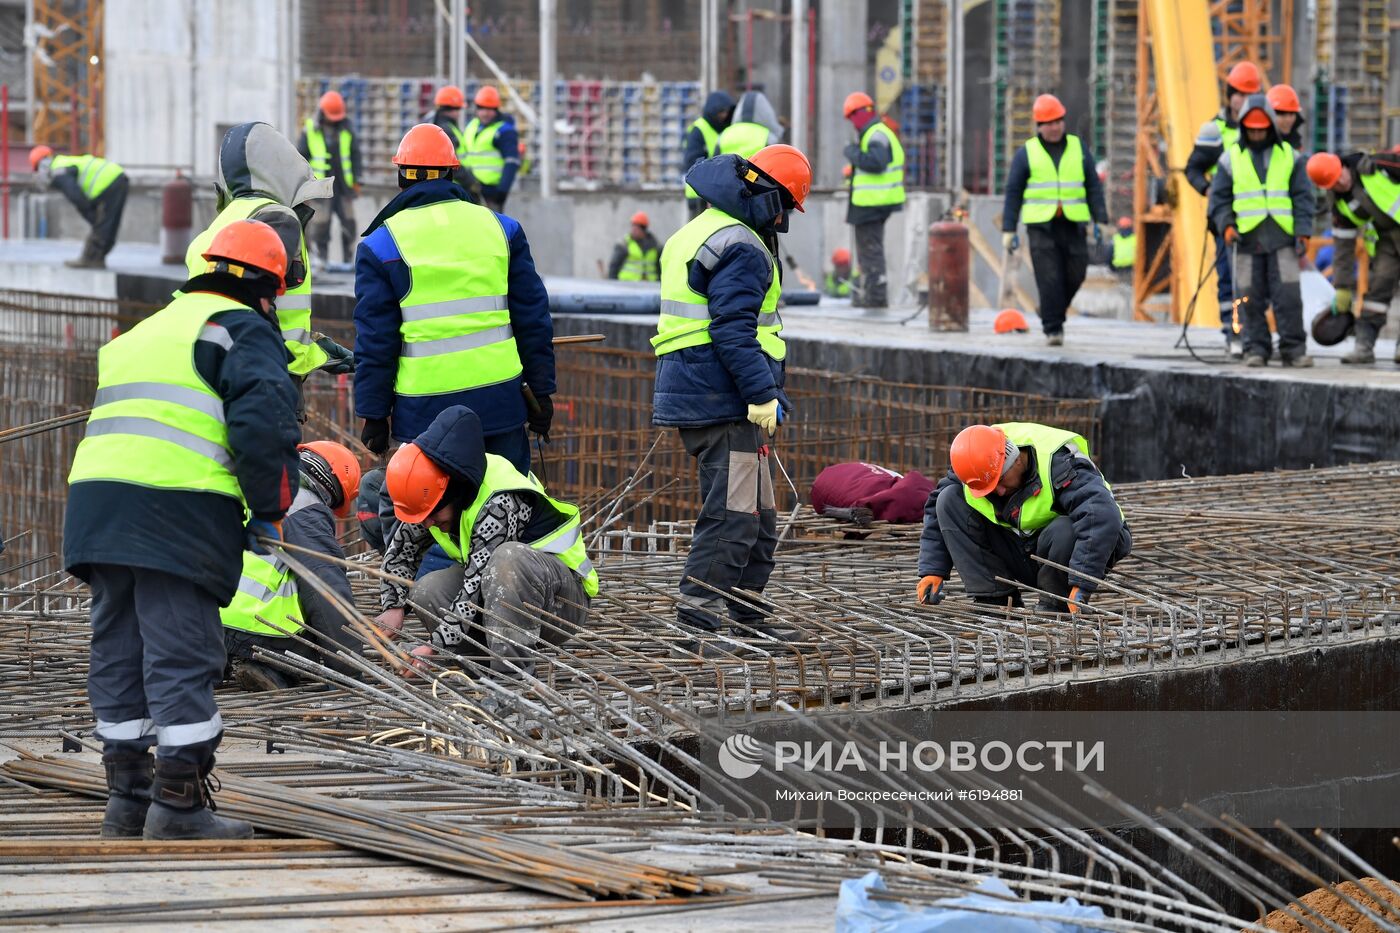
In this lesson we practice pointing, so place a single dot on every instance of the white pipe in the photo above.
(456, 48)
(705, 48)
(798, 117)
(546, 123)
(953, 106)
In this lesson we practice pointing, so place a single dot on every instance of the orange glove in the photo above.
(931, 590)
(1078, 599)
(1231, 235)
(846, 171)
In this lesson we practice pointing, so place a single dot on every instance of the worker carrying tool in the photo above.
(1365, 192)
(1124, 246)
(449, 311)
(1262, 202)
(329, 143)
(637, 258)
(97, 187)
(1018, 491)
(702, 140)
(1053, 188)
(263, 177)
(719, 373)
(493, 149)
(271, 606)
(839, 278)
(518, 555)
(1288, 114)
(876, 161)
(754, 125)
(193, 430)
(1216, 135)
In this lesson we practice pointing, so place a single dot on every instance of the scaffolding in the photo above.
(68, 85)
(1353, 68)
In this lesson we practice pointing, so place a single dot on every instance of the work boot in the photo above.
(128, 793)
(1050, 604)
(1255, 360)
(761, 632)
(86, 262)
(1301, 361)
(1056, 339)
(1364, 350)
(259, 678)
(182, 807)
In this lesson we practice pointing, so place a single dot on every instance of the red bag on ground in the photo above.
(889, 496)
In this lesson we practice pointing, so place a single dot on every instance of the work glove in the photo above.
(260, 528)
(1010, 242)
(1078, 600)
(1231, 235)
(931, 590)
(847, 171)
(1341, 302)
(767, 416)
(1098, 235)
(375, 435)
(338, 359)
(540, 421)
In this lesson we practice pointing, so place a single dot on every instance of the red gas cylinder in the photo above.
(947, 276)
(176, 219)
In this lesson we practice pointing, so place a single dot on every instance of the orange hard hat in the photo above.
(1010, 321)
(252, 244)
(978, 456)
(1257, 119)
(856, 100)
(1245, 78)
(1047, 108)
(488, 96)
(450, 96)
(640, 219)
(841, 257)
(37, 155)
(426, 146)
(788, 167)
(1324, 169)
(415, 483)
(337, 469)
(332, 105)
(1283, 99)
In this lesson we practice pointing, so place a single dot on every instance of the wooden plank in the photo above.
(993, 259)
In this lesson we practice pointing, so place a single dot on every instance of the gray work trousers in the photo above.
(737, 530)
(106, 219)
(1264, 280)
(516, 578)
(982, 551)
(318, 233)
(157, 654)
(871, 291)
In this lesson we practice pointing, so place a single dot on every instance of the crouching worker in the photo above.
(513, 547)
(271, 606)
(1018, 490)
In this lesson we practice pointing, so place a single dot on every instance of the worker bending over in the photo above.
(193, 429)
(1015, 491)
(637, 258)
(839, 278)
(513, 547)
(1124, 247)
(97, 187)
(876, 172)
(329, 143)
(702, 140)
(493, 149)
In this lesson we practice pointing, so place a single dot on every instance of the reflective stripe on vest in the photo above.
(456, 332)
(564, 542)
(321, 157)
(685, 314)
(268, 589)
(459, 140)
(1038, 510)
(879, 189)
(1050, 188)
(641, 265)
(711, 137)
(837, 288)
(743, 139)
(483, 158)
(95, 174)
(1352, 212)
(1124, 250)
(1255, 200)
(1384, 192)
(154, 421)
(293, 308)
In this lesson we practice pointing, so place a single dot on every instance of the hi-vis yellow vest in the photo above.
(95, 174)
(711, 137)
(1255, 199)
(321, 156)
(267, 589)
(483, 158)
(879, 189)
(743, 139)
(1039, 510)
(641, 264)
(1050, 188)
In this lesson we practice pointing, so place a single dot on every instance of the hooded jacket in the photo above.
(714, 383)
(753, 107)
(1268, 236)
(695, 149)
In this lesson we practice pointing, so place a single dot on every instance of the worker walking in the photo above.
(1365, 201)
(329, 143)
(193, 430)
(1216, 135)
(272, 609)
(1124, 247)
(97, 187)
(877, 191)
(839, 278)
(518, 555)
(702, 140)
(1262, 201)
(1017, 491)
(1053, 188)
(637, 258)
(493, 149)
(719, 372)
(449, 311)
(754, 125)
(1288, 114)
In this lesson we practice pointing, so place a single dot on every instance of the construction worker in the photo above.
(1288, 114)
(263, 177)
(516, 553)
(637, 258)
(449, 311)
(1015, 492)
(877, 191)
(1053, 188)
(1216, 135)
(447, 114)
(719, 372)
(702, 140)
(271, 606)
(1366, 201)
(1262, 202)
(839, 278)
(1124, 247)
(754, 125)
(190, 452)
(493, 149)
(329, 143)
(97, 187)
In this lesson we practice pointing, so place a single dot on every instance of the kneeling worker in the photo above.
(1018, 490)
(270, 606)
(513, 547)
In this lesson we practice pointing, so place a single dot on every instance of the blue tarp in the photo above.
(857, 912)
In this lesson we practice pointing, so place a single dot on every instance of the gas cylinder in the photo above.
(176, 219)
(947, 276)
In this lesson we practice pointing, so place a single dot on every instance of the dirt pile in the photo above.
(1327, 904)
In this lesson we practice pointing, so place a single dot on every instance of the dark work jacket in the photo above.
(1079, 493)
(313, 527)
(619, 253)
(695, 149)
(66, 181)
(1268, 236)
(1019, 175)
(1206, 152)
(876, 159)
(331, 133)
(199, 535)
